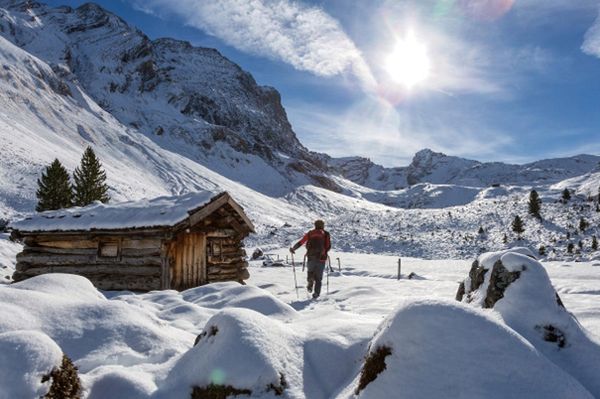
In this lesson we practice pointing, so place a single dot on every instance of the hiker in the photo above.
(318, 244)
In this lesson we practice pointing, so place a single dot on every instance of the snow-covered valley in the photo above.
(141, 345)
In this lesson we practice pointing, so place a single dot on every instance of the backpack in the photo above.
(317, 244)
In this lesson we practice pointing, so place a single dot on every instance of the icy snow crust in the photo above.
(261, 337)
(161, 211)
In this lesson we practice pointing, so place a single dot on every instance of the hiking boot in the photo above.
(315, 295)
(309, 287)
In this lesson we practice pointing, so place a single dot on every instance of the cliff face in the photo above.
(188, 99)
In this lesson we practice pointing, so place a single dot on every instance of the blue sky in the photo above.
(509, 80)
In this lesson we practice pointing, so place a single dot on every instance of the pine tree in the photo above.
(542, 250)
(481, 231)
(517, 226)
(535, 204)
(570, 248)
(583, 224)
(504, 239)
(90, 180)
(566, 195)
(54, 188)
(594, 243)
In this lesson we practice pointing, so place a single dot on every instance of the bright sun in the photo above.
(409, 63)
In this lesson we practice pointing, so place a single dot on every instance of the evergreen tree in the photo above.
(542, 250)
(583, 224)
(504, 239)
(54, 188)
(594, 243)
(517, 226)
(570, 248)
(481, 231)
(566, 195)
(535, 204)
(90, 180)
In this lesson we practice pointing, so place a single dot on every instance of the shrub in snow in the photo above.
(64, 380)
(440, 349)
(26, 359)
(517, 286)
(241, 351)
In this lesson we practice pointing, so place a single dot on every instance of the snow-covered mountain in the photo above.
(434, 167)
(167, 118)
(187, 99)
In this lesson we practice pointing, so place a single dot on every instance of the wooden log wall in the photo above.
(137, 265)
(226, 260)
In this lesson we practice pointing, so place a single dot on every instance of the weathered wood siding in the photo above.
(187, 260)
(206, 247)
(136, 264)
(226, 260)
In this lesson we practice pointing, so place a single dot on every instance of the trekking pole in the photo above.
(328, 271)
(303, 263)
(339, 264)
(295, 280)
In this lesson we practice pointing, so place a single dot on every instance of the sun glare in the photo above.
(409, 63)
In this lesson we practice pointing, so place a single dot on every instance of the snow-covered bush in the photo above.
(239, 350)
(26, 360)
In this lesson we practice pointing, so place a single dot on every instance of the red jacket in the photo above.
(318, 243)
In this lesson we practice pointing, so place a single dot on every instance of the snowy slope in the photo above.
(189, 100)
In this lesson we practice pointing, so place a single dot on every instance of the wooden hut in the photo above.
(164, 243)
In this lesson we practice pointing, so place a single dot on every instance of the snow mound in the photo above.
(518, 287)
(59, 284)
(241, 349)
(92, 331)
(26, 357)
(120, 384)
(235, 295)
(439, 349)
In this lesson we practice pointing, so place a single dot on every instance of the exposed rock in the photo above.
(214, 391)
(500, 279)
(374, 365)
(553, 334)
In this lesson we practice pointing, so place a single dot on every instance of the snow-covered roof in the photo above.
(145, 213)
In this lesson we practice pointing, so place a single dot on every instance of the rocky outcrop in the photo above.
(516, 286)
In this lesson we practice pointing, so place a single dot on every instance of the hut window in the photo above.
(215, 248)
(108, 249)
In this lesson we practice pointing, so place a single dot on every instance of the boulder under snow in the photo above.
(441, 349)
(518, 288)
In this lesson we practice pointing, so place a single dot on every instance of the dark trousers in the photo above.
(315, 269)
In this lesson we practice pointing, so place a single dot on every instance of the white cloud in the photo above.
(591, 40)
(303, 36)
